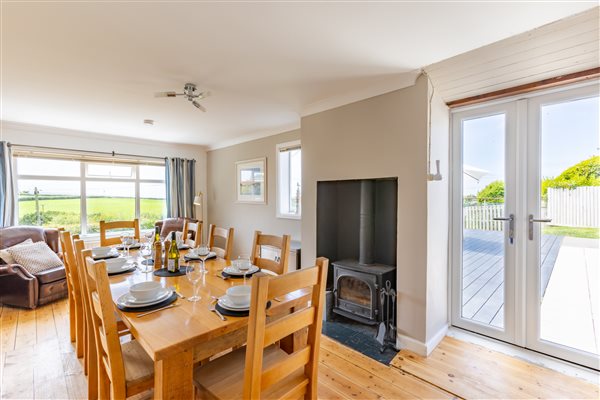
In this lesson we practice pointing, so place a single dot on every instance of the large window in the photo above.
(289, 180)
(77, 195)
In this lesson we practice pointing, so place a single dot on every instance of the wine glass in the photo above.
(203, 251)
(146, 253)
(194, 273)
(124, 241)
(244, 264)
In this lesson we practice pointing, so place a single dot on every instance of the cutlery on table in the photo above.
(222, 277)
(213, 309)
(277, 299)
(177, 293)
(158, 309)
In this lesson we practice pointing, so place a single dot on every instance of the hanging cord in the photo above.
(430, 176)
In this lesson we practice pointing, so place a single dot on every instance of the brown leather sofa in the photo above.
(169, 225)
(22, 289)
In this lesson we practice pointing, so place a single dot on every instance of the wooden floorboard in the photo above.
(474, 372)
(43, 365)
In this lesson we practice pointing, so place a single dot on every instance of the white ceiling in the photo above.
(95, 66)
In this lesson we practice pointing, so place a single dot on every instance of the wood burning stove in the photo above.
(356, 289)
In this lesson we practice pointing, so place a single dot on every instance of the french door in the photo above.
(525, 222)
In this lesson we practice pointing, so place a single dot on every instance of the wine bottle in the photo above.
(156, 234)
(173, 255)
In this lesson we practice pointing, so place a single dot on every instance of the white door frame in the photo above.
(533, 321)
(509, 110)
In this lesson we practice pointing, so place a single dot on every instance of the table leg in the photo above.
(173, 377)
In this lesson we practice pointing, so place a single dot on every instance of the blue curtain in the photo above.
(7, 187)
(181, 188)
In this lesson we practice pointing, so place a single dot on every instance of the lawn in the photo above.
(66, 212)
(589, 233)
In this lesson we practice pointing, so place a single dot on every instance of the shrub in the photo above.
(492, 193)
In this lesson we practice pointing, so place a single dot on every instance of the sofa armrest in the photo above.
(17, 286)
(51, 236)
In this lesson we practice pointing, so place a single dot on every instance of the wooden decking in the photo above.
(483, 273)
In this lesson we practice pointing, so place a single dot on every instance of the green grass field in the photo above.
(589, 233)
(65, 212)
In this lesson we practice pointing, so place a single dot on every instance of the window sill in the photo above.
(289, 216)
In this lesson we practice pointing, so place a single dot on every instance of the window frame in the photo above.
(278, 150)
(83, 179)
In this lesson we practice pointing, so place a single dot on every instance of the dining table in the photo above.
(180, 337)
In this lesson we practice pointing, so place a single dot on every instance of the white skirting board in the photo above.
(416, 346)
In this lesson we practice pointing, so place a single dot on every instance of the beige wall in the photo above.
(384, 136)
(246, 218)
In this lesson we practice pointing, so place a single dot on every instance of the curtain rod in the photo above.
(113, 153)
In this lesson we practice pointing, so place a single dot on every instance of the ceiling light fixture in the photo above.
(149, 121)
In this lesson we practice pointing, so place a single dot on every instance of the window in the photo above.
(77, 195)
(289, 180)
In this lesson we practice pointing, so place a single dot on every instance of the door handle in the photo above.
(532, 220)
(511, 226)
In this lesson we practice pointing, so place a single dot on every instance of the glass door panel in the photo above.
(564, 229)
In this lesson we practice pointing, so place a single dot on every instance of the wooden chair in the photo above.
(225, 237)
(279, 242)
(106, 226)
(123, 370)
(76, 313)
(262, 369)
(196, 228)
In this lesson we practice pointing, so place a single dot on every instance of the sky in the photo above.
(570, 134)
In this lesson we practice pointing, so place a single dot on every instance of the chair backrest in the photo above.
(280, 242)
(106, 226)
(225, 238)
(104, 322)
(263, 333)
(194, 227)
(70, 262)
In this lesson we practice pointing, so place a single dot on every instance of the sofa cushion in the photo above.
(16, 234)
(51, 275)
(35, 257)
(5, 255)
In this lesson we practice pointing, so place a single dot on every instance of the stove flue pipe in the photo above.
(367, 221)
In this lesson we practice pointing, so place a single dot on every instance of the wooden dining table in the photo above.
(180, 337)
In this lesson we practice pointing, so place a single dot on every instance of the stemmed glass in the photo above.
(244, 265)
(203, 251)
(146, 253)
(194, 273)
(126, 241)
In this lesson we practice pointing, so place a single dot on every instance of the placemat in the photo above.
(226, 275)
(149, 261)
(132, 247)
(97, 258)
(133, 268)
(163, 272)
(231, 313)
(163, 303)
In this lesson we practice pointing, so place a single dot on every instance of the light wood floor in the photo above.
(37, 361)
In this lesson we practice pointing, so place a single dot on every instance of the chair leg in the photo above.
(78, 331)
(72, 324)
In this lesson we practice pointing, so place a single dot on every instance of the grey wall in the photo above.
(246, 218)
(383, 136)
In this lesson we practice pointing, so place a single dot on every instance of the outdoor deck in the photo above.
(483, 277)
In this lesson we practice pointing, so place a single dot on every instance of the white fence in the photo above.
(481, 217)
(577, 207)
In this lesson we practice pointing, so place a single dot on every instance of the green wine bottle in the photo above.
(156, 234)
(173, 255)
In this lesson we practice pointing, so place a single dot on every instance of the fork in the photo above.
(213, 309)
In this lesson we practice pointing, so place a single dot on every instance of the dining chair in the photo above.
(279, 266)
(74, 291)
(106, 226)
(224, 239)
(262, 369)
(123, 369)
(196, 228)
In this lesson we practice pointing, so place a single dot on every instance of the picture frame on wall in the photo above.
(251, 181)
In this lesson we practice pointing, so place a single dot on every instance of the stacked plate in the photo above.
(117, 265)
(130, 301)
(193, 256)
(225, 302)
(233, 271)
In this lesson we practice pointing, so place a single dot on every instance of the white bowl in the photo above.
(239, 295)
(115, 264)
(145, 290)
(101, 251)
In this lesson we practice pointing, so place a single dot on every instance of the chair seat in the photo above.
(223, 378)
(139, 368)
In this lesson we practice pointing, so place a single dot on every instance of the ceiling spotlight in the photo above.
(149, 121)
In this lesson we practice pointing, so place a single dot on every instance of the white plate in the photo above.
(127, 300)
(226, 303)
(211, 254)
(237, 272)
(121, 268)
(110, 254)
